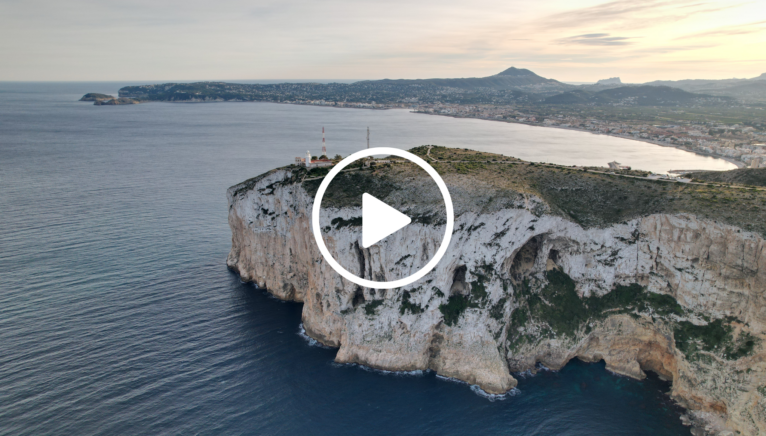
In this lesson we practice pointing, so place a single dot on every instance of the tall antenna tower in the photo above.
(324, 149)
(368, 137)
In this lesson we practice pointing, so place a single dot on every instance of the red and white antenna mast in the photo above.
(324, 149)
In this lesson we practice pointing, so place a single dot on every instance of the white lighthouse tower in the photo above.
(308, 158)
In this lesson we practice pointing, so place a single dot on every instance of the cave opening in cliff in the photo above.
(358, 297)
(554, 256)
(459, 285)
(360, 258)
(523, 263)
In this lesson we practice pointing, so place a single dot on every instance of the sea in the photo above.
(118, 315)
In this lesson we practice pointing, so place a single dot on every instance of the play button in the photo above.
(379, 220)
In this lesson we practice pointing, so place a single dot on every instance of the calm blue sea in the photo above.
(118, 315)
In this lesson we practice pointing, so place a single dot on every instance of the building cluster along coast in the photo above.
(741, 144)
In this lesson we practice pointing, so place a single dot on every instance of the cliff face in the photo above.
(521, 285)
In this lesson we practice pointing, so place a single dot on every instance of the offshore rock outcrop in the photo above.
(107, 100)
(523, 284)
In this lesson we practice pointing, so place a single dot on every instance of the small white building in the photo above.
(313, 163)
(617, 166)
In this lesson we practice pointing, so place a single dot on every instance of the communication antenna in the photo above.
(368, 137)
(324, 149)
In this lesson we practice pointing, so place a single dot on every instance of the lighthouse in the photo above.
(323, 161)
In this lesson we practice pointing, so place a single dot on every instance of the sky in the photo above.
(571, 41)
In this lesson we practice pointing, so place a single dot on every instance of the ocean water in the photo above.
(118, 315)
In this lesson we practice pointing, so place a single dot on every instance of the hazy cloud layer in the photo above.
(740, 29)
(362, 39)
(596, 39)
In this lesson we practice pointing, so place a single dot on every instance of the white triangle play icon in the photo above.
(379, 220)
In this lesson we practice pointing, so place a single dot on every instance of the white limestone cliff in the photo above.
(713, 270)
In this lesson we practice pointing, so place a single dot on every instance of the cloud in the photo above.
(741, 29)
(631, 14)
(663, 49)
(596, 39)
(358, 39)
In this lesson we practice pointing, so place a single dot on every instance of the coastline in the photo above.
(739, 164)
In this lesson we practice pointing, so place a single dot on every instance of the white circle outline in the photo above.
(318, 203)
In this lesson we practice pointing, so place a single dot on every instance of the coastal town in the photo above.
(740, 144)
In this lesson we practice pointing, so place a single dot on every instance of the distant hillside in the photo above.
(510, 79)
(637, 96)
(754, 91)
(509, 87)
(751, 90)
(705, 84)
(365, 93)
(741, 176)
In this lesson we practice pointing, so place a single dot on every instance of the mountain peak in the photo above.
(610, 81)
(517, 72)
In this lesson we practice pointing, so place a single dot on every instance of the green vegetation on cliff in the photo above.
(717, 336)
(456, 305)
(558, 304)
(347, 188)
(408, 306)
(477, 298)
(558, 307)
(372, 307)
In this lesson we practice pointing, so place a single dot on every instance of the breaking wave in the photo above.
(481, 392)
(311, 341)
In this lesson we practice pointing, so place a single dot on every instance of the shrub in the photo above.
(408, 306)
(372, 306)
(715, 336)
(456, 305)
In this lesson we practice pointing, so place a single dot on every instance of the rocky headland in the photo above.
(546, 264)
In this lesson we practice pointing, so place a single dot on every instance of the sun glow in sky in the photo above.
(574, 41)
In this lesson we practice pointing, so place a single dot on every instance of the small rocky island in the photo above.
(94, 96)
(107, 100)
(546, 264)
